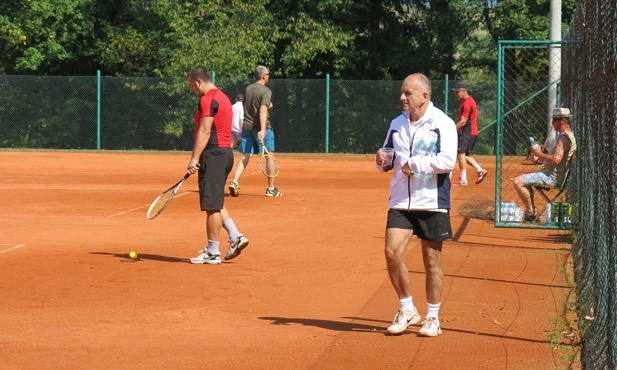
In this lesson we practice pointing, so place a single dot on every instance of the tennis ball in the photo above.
(132, 255)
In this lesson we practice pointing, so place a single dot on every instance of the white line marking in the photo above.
(47, 216)
(43, 187)
(10, 249)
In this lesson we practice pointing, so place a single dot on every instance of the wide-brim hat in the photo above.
(561, 113)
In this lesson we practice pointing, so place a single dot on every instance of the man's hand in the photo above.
(193, 166)
(406, 170)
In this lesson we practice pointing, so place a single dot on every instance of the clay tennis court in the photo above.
(310, 292)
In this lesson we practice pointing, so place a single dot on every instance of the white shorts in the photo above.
(538, 178)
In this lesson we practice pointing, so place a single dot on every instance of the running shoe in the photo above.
(207, 258)
(236, 246)
(273, 192)
(234, 189)
(402, 320)
(481, 176)
(530, 217)
(430, 328)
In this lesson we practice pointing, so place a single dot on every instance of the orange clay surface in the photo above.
(311, 291)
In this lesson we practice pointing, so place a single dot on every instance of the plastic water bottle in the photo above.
(509, 212)
(534, 143)
(506, 212)
(512, 211)
(519, 214)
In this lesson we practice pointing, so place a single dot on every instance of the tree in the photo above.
(46, 36)
(167, 38)
(350, 39)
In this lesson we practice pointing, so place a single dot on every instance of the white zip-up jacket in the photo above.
(429, 147)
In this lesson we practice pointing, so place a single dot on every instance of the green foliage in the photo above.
(229, 37)
(349, 39)
(297, 39)
(309, 37)
(45, 36)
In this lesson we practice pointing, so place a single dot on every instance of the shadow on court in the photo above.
(340, 326)
(143, 256)
(326, 324)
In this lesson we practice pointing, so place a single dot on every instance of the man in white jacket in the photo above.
(425, 149)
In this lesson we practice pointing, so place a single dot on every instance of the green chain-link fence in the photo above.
(115, 113)
(528, 89)
(589, 85)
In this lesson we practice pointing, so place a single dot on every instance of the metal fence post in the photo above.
(445, 93)
(327, 112)
(98, 109)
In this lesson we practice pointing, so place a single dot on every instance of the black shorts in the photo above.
(216, 164)
(426, 225)
(466, 143)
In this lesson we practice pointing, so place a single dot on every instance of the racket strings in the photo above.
(269, 165)
(160, 203)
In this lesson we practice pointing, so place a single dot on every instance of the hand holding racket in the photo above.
(268, 164)
(162, 201)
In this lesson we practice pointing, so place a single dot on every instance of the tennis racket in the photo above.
(268, 164)
(162, 201)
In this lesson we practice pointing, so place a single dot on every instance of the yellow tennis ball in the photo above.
(132, 255)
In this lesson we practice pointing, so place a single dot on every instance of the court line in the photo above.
(42, 187)
(46, 216)
(89, 216)
(16, 246)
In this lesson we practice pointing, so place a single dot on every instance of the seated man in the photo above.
(554, 165)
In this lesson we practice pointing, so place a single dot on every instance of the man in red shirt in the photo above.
(213, 159)
(467, 126)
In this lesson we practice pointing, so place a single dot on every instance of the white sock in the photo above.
(213, 247)
(433, 310)
(463, 174)
(407, 304)
(231, 228)
(477, 167)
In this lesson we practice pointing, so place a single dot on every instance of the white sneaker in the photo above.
(206, 258)
(430, 328)
(402, 320)
(236, 246)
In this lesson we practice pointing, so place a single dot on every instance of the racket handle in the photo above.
(189, 174)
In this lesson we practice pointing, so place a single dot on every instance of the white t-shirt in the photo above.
(238, 114)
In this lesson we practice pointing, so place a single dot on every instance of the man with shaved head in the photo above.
(424, 140)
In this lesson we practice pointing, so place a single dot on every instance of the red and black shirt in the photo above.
(217, 105)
